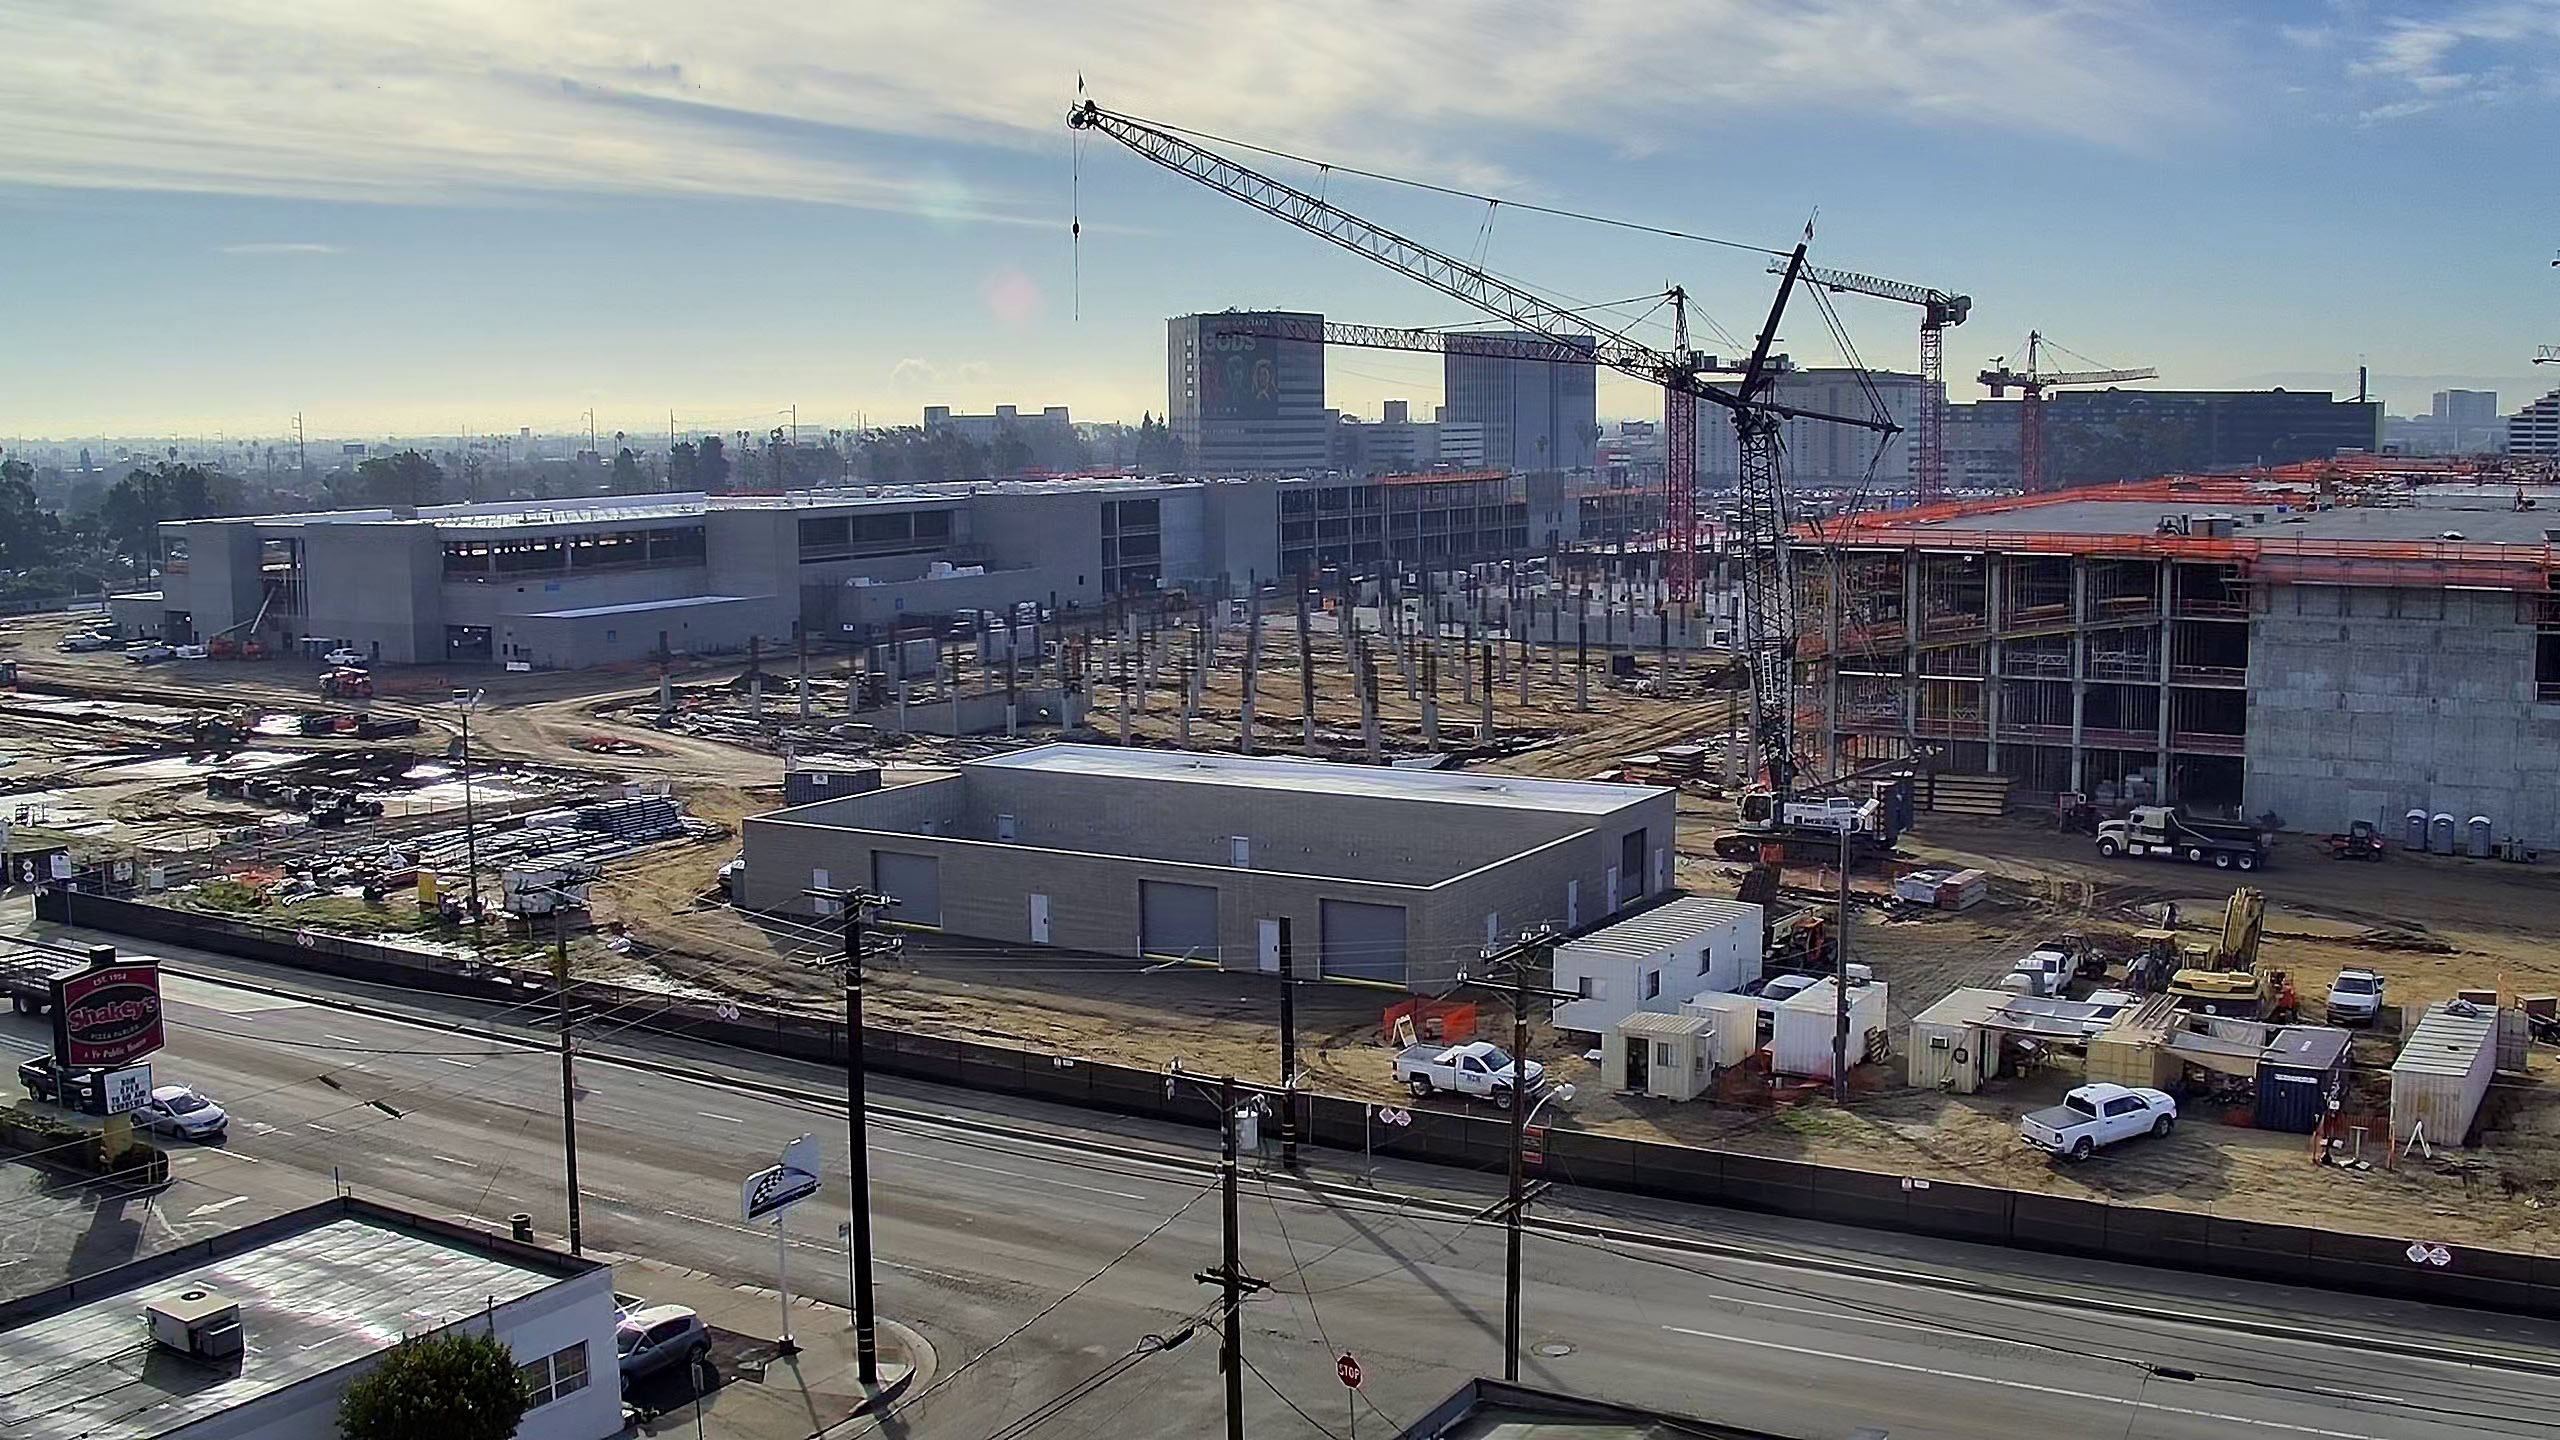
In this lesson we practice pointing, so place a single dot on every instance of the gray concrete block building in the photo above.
(559, 584)
(2329, 654)
(1394, 876)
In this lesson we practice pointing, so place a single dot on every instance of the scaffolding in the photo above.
(1955, 596)
(2035, 593)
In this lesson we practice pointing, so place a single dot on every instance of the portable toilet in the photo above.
(2415, 836)
(2440, 833)
(2483, 843)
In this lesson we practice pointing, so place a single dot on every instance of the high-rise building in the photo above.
(2535, 429)
(1537, 415)
(1820, 452)
(2466, 407)
(1243, 403)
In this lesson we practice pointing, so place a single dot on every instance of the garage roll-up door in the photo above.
(914, 881)
(1364, 942)
(1178, 919)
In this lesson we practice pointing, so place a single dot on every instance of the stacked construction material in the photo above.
(649, 817)
(1982, 795)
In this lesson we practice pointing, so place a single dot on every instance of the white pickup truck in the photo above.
(1478, 1067)
(2095, 1116)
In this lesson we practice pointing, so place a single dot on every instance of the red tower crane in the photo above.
(1765, 532)
(1938, 310)
(2031, 384)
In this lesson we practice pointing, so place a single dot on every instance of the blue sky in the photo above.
(493, 213)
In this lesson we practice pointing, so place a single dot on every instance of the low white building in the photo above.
(1801, 1031)
(259, 1332)
(1657, 960)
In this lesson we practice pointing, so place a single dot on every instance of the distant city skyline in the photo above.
(374, 219)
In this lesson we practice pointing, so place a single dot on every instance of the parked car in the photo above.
(1775, 990)
(148, 652)
(2044, 972)
(343, 656)
(183, 1111)
(653, 1337)
(2356, 997)
(82, 644)
(2095, 1116)
(193, 652)
(1478, 1067)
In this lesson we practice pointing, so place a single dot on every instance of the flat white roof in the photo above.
(1447, 787)
(2446, 1041)
(1673, 922)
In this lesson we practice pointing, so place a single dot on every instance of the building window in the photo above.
(1653, 984)
(555, 1376)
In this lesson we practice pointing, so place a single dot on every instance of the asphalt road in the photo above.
(982, 1233)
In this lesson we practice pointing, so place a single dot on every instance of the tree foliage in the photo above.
(29, 535)
(458, 1385)
(130, 513)
(406, 479)
(711, 464)
(1159, 449)
(626, 472)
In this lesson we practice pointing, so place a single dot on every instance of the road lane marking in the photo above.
(217, 1206)
(323, 1129)
(2006, 1384)
(449, 1060)
(715, 1115)
(449, 1160)
(341, 1039)
(1008, 1174)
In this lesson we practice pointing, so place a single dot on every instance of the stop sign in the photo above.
(1348, 1368)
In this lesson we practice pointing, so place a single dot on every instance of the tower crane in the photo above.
(1766, 516)
(1938, 311)
(2031, 384)
(2546, 354)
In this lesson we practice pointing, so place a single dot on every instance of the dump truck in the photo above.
(2163, 831)
(27, 975)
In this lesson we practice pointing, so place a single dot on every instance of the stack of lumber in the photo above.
(1984, 795)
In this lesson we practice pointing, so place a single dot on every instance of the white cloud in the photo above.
(439, 100)
(917, 375)
(282, 247)
(2484, 52)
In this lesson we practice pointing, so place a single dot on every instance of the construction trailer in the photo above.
(1955, 1044)
(1801, 1032)
(1668, 1057)
(2301, 1076)
(1656, 960)
(2443, 1072)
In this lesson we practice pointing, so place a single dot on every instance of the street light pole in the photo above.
(1513, 1201)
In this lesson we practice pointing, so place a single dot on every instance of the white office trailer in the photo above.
(1801, 1032)
(1655, 961)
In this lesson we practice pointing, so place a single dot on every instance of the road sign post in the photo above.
(1347, 1369)
(772, 1191)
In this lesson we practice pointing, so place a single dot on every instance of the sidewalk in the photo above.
(764, 1394)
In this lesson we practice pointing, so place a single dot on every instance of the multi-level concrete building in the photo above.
(1244, 403)
(2535, 429)
(1819, 452)
(2234, 647)
(1397, 876)
(1051, 424)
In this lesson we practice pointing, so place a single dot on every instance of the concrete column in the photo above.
(1369, 705)
(1431, 694)
(1252, 680)
(2164, 589)
(1484, 689)
(2079, 670)
(1995, 573)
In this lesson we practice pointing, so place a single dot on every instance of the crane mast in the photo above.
(2031, 384)
(1767, 520)
(1939, 309)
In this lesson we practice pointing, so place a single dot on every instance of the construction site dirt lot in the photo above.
(2430, 924)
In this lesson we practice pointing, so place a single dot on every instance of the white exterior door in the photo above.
(1612, 886)
(1267, 945)
(1039, 919)
(1572, 904)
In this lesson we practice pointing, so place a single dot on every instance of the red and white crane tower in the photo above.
(2031, 383)
(1938, 311)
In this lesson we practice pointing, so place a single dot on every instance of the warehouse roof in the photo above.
(318, 1289)
(2478, 521)
(1447, 787)
(1675, 922)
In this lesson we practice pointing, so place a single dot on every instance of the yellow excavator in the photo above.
(2222, 976)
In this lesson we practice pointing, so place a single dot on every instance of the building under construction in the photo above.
(2327, 645)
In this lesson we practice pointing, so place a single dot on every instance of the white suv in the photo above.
(2356, 998)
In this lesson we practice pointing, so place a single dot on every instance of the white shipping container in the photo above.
(1655, 960)
(1800, 1034)
(2443, 1072)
